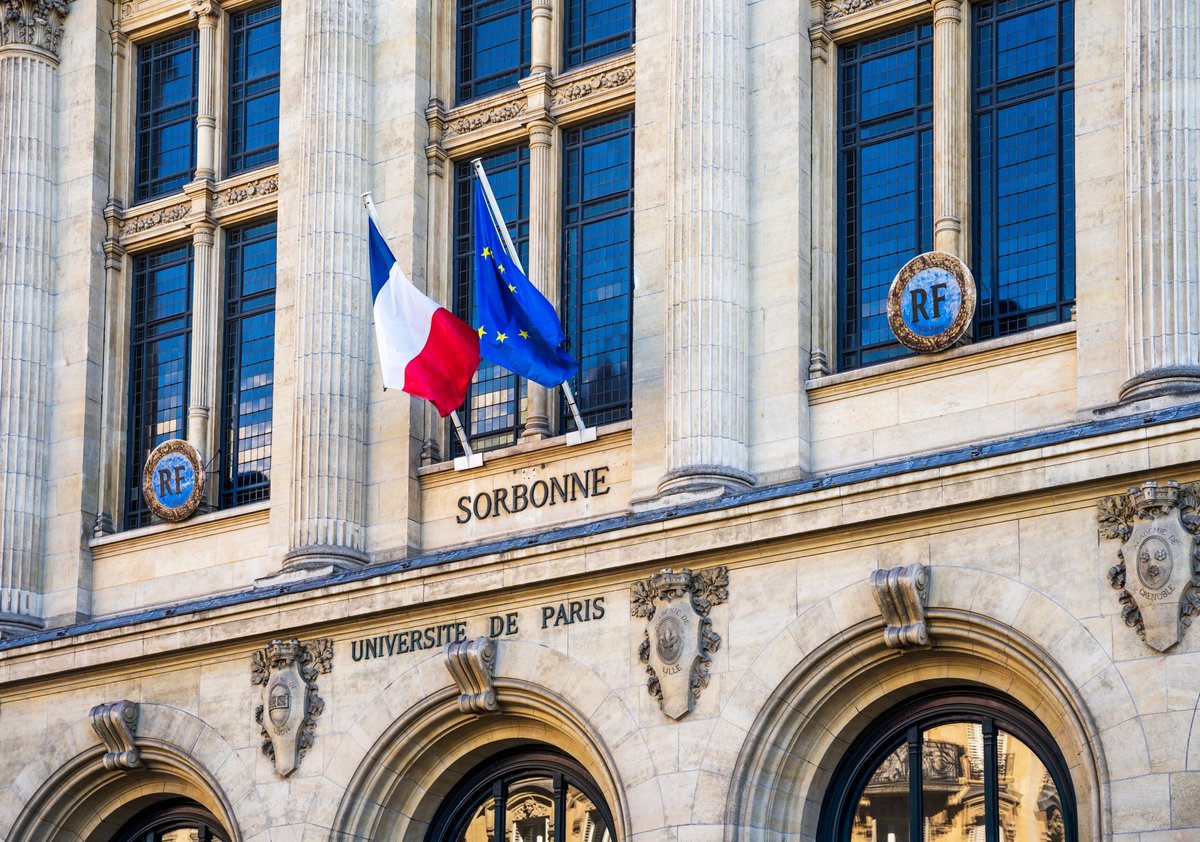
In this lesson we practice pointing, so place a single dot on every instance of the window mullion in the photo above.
(991, 782)
(916, 801)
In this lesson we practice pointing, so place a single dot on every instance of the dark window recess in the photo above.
(597, 266)
(493, 45)
(1024, 164)
(166, 121)
(959, 765)
(495, 406)
(172, 821)
(160, 357)
(253, 88)
(597, 28)
(885, 211)
(249, 365)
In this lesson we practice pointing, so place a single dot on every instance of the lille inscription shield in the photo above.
(675, 631)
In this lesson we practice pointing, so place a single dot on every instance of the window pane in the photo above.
(1024, 210)
(952, 782)
(166, 121)
(495, 406)
(1030, 805)
(529, 811)
(160, 356)
(887, 182)
(882, 814)
(597, 28)
(597, 259)
(482, 827)
(584, 821)
(249, 369)
(254, 88)
(493, 45)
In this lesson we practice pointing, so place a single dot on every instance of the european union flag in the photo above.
(518, 328)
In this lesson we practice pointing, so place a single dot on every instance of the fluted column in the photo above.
(542, 232)
(541, 52)
(332, 292)
(950, 110)
(30, 34)
(824, 163)
(706, 371)
(1163, 180)
(206, 351)
(205, 13)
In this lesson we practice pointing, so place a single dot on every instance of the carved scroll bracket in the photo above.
(901, 594)
(679, 640)
(116, 724)
(472, 663)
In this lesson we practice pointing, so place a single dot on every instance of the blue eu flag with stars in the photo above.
(518, 328)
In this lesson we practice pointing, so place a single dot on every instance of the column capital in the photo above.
(34, 23)
(947, 11)
(205, 12)
(202, 232)
(541, 131)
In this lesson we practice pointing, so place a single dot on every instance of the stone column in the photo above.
(823, 357)
(950, 132)
(332, 292)
(1162, 117)
(542, 233)
(205, 12)
(706, 366)
(206, 351)
(30, 35)
(541, 46)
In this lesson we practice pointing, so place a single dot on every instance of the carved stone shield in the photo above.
(283, 698)
(1158, 558)
(675, 633)
(287, 672)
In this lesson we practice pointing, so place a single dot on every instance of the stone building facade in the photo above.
(801, 585)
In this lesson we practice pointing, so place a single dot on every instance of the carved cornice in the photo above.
(605, 80)
(900, 594)
(472, 663)
(116, 724)
(34, 23)
(835, 9)
(265, 186)
(153, 219)
(470, 121)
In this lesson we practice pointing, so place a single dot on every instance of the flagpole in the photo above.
(469, 459)
(582, 432)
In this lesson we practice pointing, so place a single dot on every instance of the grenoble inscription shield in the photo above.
(678, 640)
(1157, 572)
(287, 671)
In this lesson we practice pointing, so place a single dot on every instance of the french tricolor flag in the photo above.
(424, 349)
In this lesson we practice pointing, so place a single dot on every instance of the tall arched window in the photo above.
(952, 767)
(529, 795)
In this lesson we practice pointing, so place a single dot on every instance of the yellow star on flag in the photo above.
(500, 268)
(487, 252)
(500, 337)
(481, 332)
(524, 334)
(512, 288)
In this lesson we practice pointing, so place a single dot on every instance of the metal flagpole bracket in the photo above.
(469, 459)
(582, 432)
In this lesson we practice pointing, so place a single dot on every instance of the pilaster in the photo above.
(205, 13)
(30, 35)
(1163, 186)
(332, 292)
(707, 321)
(824, 165)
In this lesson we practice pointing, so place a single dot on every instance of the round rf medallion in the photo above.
(931, 302)
(173, 480)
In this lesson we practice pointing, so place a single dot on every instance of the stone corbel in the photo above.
(901, 594)
(472, 663)
(116, 725)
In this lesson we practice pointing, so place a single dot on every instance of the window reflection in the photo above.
(882, 814)
(583, 820)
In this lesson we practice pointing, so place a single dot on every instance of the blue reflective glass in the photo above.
(885, 169)
(1024, 167)
(159, 354)
(167, 96)
(493, 45)
(596, 301)
(597, 28)
(249, 364)
(254, 88)
(495, 406)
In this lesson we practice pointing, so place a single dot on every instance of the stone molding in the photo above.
(116, 725)
(287, 672)
(472, 664)
(34, 23)
(1158, 573)
(901, 594)
(236, 195)
(153, 219)
(608, 79)
(487, 115)
(678, 640)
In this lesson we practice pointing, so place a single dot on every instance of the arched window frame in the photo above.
(171, 815)
(495, 775)
(905, 722)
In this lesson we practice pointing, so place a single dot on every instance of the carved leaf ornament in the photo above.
(1158, 569)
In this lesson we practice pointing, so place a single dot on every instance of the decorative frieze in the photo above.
(836, 9)
(605, 80)
(153, 219)
(260, 187)
(678, 639)
(116, 725)
(476, 120)
(34, 23)
(1157, 573)
(472, 664)
(287, 672)
(901, 594)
